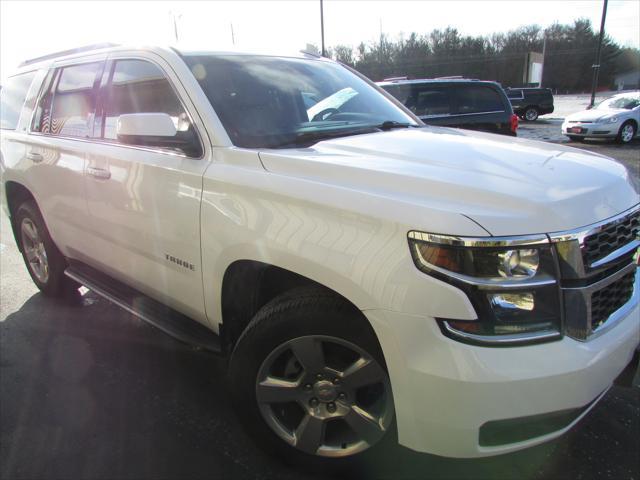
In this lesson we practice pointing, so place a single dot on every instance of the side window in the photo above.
(138, 86)
(430, 101)
(42, 116)
(514, 94)
(12, 98)
(67, 106)
(400, 92)
(478, 99)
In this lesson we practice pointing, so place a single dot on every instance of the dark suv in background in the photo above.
(456, 102)
(530, 103)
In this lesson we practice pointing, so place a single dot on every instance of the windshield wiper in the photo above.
(306, 139)
(392, 124)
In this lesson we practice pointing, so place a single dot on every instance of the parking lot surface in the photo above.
(88, 391)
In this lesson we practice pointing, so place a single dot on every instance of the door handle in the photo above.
(35, 157)
(99, 173)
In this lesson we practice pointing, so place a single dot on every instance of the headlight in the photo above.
(612, 120)
(511, 283)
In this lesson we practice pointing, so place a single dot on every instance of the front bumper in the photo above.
(591, 130)
(445, 391)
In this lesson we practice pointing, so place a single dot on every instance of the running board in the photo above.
(151, 311)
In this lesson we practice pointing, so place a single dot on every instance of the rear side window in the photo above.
(430, 101)
(138, 86)
(514, 94)
(12, 98)
(67, 106)
(400, 92)
(478, 99)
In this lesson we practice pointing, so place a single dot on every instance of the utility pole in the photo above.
(175, 24)
(544, 51)
(596, 66)
(322, 27)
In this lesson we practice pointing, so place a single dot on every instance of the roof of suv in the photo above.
(110, 47)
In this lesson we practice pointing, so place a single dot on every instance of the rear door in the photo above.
(481, 107)
(144, 200)
(55, 150)
(433, 103)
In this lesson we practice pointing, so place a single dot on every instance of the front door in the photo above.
(144, 200)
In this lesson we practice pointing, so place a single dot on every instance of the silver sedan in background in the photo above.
(616, 117)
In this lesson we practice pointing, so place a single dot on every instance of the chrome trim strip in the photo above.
(582, 232)
(605, 282)
(503, 340)
(449, 115)
(100, 141)
(489, 283)
(481, 242)
(620, 252)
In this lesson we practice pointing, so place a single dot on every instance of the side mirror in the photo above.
(135, 125)
(157, 130)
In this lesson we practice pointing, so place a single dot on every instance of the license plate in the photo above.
(574, 129)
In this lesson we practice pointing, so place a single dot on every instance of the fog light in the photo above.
(509, 303)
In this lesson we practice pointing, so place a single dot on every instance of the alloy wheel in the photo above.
(325, 396)
(627, 133)
(34, 250)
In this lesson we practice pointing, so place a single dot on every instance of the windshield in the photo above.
(620, 103)
(273, 102)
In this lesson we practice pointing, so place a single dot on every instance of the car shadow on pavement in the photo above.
(89, 391)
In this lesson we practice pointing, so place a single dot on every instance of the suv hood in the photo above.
(510, 186)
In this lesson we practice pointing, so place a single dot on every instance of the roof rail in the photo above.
(453, 77)
(86, 48)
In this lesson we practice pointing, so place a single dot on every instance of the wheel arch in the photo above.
(248, 285)
(631, 121)
(16, 194)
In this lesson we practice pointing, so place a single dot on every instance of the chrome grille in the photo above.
(609, 299)
(611, 237)
(600, 280)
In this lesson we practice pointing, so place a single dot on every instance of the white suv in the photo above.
(366, 274)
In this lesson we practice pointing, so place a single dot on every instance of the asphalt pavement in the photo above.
(87, 391)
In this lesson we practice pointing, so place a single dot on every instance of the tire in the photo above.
(320, 327)
(531, 114)
(626, 133)
(42, 258)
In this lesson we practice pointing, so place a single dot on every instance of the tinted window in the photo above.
(12, 98)
(478, 99)
(431, 102)
(517, 94)
(138, 86)
(276, 102)
(400, 92)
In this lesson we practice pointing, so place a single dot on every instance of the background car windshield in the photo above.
(273, 102)
(623, 103)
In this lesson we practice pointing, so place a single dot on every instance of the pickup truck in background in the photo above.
(530, 103)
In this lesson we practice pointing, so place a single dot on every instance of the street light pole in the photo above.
(596, 66)
(322, 27)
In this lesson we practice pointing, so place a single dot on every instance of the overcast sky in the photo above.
(31, 28)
